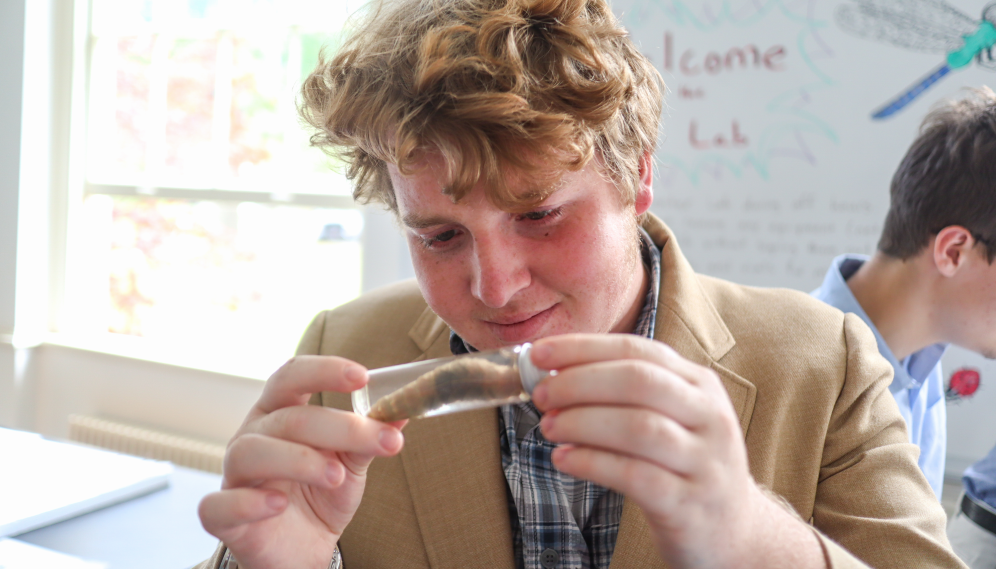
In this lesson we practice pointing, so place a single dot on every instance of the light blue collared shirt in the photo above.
(918, 385)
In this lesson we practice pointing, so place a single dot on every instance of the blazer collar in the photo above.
(688, 321)
(469, 504)
(686, 317)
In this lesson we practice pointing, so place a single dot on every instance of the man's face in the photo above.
(571, 264)
(974, 305)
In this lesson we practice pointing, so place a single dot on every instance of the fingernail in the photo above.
(542, 352)
(539, 396)
(390, 439)
(559, 454)
(546, 423)
(276, 501)
(334, 473)
(353, 372)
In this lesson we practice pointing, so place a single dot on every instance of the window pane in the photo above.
(226, 279)
(190, 88)
(201, 93)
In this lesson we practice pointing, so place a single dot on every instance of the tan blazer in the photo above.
(811, 390)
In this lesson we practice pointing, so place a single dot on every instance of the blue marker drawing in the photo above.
(926, 26)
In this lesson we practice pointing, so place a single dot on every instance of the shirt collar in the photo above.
(913, 370)
(645, 323)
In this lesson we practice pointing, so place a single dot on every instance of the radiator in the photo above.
(146, 442)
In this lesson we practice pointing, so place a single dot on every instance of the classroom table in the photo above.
(156, 531)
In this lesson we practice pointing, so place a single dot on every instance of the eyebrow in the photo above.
(415, 221)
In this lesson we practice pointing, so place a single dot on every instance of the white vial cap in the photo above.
(529, 374)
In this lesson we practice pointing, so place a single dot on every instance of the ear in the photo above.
(952, 246)
(645, 192)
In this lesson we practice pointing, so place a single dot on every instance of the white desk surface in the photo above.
(160, 530)
(50, 481)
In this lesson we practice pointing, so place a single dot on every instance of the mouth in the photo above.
(519, 328)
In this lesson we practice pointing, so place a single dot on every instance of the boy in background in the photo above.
(932, 281)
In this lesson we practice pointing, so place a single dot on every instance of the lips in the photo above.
(518, 328)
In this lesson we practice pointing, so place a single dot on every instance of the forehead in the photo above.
(425, 185)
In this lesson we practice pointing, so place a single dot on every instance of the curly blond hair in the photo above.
(539, 86)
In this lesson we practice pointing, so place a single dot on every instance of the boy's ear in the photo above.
(951, 248)
(645, 192)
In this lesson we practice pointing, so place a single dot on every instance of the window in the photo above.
(209, 227)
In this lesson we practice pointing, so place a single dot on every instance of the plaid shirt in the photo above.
(558, 520)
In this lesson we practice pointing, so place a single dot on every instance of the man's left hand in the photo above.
(633, 415)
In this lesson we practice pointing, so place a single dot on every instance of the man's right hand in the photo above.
(294, 473)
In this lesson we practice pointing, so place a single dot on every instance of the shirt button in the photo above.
(549, 558)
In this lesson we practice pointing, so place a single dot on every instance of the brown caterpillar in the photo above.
(461, 379)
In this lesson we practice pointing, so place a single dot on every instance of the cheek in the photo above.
(991, 313)
(441, 281)
(986, 301)
(588, 261)
(566, 259)
(979, 314)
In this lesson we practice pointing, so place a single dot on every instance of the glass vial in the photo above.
(447, 385)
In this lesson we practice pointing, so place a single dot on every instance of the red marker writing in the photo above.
(963, 384)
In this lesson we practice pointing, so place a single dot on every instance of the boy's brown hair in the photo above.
(538, 86)
(948, 177)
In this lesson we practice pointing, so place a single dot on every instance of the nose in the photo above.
(500, 269)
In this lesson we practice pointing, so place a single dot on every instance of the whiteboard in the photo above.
(770, 163)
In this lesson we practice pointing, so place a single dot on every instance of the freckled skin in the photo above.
(500, 278)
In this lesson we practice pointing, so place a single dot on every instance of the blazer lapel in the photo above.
(454, 472)
(634, 545)
(688, 322)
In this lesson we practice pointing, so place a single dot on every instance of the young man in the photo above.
(687, 425)
(932, 282)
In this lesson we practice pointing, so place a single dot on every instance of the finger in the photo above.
(253, 458)
(645, 483)
(224, 514)
(301, 376)
(330, 429)
(638, 433)
(560, 352)
(635, 383)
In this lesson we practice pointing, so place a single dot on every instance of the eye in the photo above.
(541, 214)
(444, 236)
(437, 240)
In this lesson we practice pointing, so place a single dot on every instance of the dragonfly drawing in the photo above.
(929, 26)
